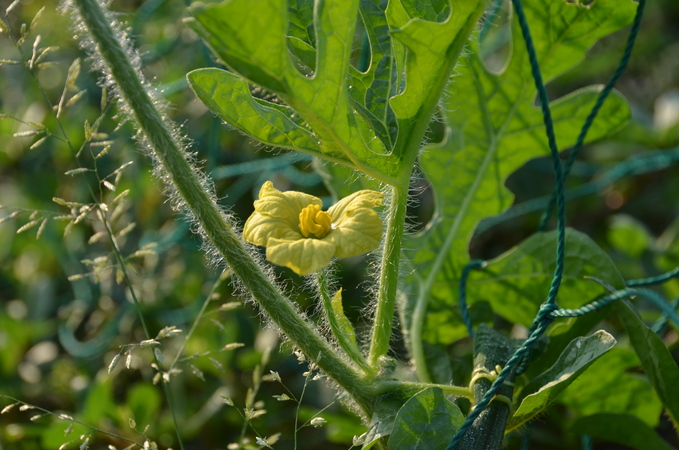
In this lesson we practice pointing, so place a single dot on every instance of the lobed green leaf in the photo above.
(228, 96)
(374, 120)
(493, 128)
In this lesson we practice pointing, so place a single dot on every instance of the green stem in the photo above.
(491, 349)
(206, 212)
(339, 324)
(412, 388)
(225, 275)
(415, 335)
(386, 300)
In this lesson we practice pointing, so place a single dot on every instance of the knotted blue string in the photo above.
(543, 318)
(549, 310)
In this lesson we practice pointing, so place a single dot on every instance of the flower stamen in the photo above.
(313, 221)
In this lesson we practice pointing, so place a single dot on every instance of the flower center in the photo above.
(314, 221)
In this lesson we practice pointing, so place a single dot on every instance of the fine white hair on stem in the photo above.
(179, 137)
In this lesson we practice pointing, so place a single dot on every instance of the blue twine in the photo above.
(473, 265)
(540, 326)
(659, 325)
(586, 441)
(543, 318)
(669, 310)
(593, 306)
(554, 151)
(640, 164)
(631, 39)
(654, 280)
(546, 314)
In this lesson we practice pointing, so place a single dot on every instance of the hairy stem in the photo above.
(386, 300)
(206, 212)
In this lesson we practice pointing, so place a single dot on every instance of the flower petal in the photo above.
(276, 215)
(357, 235)
(284, 205)
(259, 228)
(357, 227)
(303, 256)
(361, 199)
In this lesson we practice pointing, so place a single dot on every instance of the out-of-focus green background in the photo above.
(58, 335)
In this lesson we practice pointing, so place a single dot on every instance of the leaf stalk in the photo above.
(389, 274)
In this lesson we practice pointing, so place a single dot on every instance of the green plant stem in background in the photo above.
(414, 142)
(137, 304)
(225, 275)
(415, 331)
(386, 300)
(214, 224)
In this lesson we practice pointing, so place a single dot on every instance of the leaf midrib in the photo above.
(494, 139)
(493, 147)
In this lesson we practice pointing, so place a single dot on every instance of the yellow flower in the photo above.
(299, 235)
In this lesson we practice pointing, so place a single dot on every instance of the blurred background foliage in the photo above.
(64, 315)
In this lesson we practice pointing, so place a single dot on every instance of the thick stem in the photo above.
(391, 258)
(491, 349)
(206, 212)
